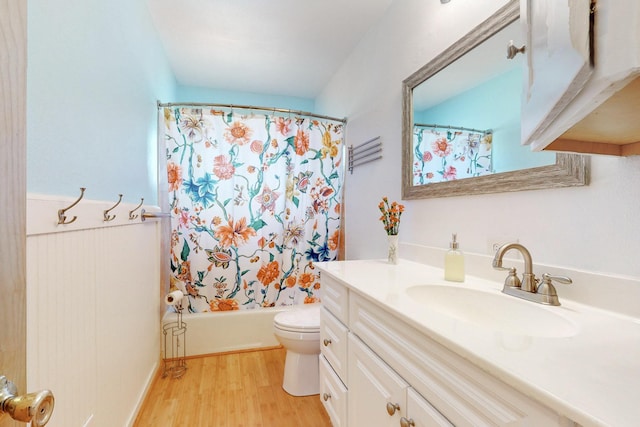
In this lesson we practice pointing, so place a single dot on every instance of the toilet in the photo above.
(298, 330)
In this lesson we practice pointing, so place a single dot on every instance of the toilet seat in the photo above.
(303, 320)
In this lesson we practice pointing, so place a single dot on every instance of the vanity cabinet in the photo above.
(377, 393)
(581, 87)
(333, 342)
(380, 397)
(333, 350)
(333, 394)
(421, 413)
(393, 374)
(462, 393)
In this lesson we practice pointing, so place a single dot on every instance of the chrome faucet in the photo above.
(528, 288)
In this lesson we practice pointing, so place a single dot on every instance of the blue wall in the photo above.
(495, 105)
(95, 71)
(218, 96)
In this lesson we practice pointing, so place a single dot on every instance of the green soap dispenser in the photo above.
(454, 262)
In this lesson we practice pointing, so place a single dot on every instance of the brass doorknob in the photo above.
(32, 407)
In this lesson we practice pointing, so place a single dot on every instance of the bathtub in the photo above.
(220, 332)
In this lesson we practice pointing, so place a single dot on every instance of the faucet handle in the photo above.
(548, 291)
(548, 278)
(512, 280)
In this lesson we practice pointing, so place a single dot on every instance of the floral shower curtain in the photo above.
(255, 200)
(446, 155)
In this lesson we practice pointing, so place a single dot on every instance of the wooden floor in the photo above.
(230, 390)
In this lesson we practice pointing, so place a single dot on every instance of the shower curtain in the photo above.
(255, 200)
(446, 155)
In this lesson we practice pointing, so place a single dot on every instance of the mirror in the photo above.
(452, 103)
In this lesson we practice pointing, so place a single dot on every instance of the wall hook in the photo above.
(62, 218)
(108, 217)
(131, 215)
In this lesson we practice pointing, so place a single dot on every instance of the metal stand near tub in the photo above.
(175, 363)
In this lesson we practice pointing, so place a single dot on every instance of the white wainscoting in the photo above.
(93, 310)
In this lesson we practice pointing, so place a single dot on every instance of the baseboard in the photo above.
(155, 373)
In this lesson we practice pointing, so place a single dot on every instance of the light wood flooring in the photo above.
(230, 390)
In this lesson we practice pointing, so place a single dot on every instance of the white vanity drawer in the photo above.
(335, 297)
(333, 394)
(333, 343)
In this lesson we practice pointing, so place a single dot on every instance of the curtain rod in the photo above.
(454, 128)
(249, 107)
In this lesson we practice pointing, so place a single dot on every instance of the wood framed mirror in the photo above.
(565, 170)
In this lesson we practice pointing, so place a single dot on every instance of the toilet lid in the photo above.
(304, 319)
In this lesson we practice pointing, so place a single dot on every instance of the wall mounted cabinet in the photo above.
(581, 91)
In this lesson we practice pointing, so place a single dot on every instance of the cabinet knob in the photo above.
(326, 396)
(512, 50)
(392, 408)
(407, 422)
(326, 342)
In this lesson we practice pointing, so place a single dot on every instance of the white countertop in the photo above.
(592, 377)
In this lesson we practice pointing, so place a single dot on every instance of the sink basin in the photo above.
(496, 311)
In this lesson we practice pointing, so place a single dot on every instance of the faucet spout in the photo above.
(529, 282)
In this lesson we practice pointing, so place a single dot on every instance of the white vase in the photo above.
(393, 248)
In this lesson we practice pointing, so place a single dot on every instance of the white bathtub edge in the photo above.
(210, 333)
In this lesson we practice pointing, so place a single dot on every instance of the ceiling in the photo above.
(274, 47)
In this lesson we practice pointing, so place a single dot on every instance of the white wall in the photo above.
(93, 313)
(592, 228)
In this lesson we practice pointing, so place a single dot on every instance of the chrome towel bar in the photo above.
(144, 215)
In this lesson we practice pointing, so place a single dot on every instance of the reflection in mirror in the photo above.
(467, 116)
(461, 121)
